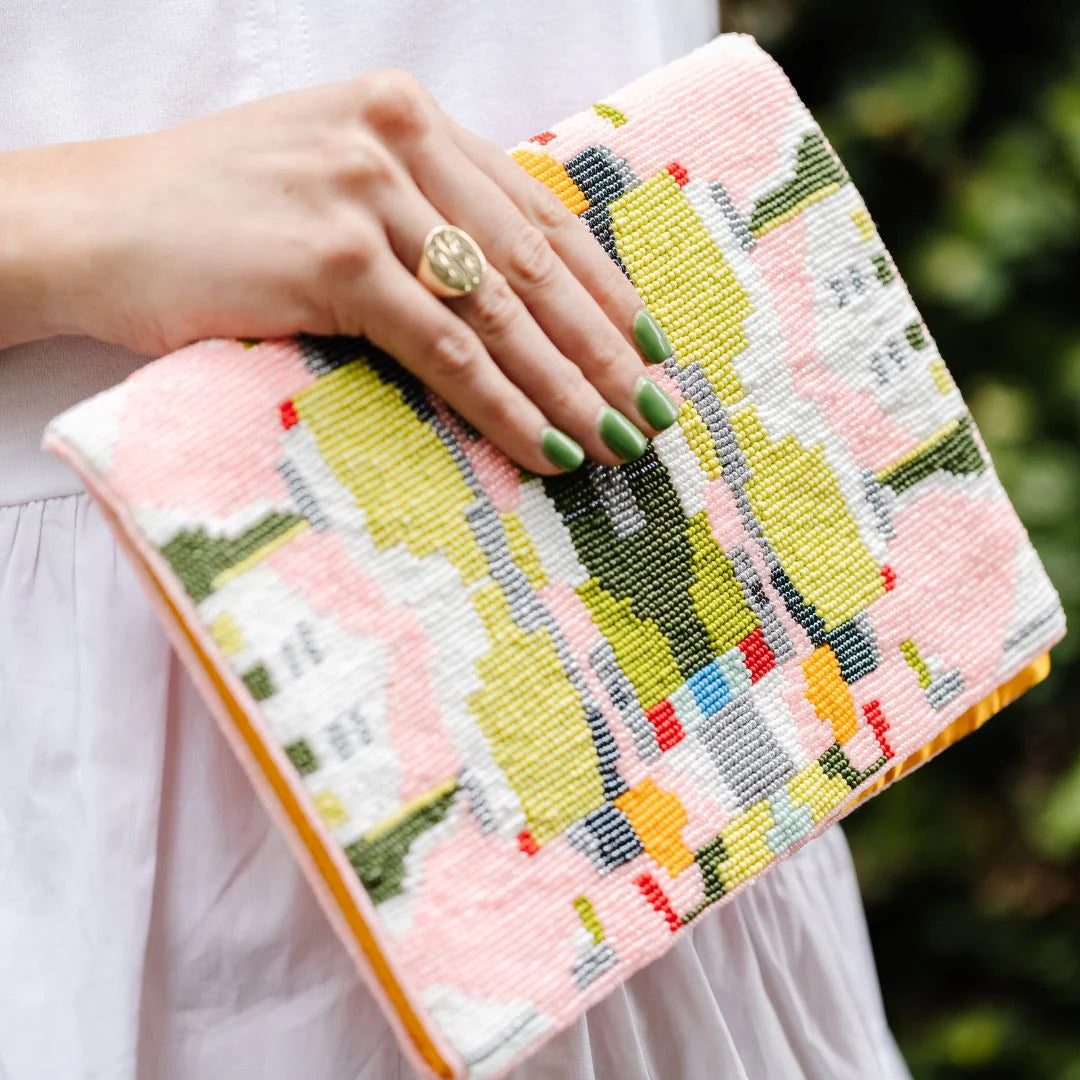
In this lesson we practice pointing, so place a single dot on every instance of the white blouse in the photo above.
(90, 70)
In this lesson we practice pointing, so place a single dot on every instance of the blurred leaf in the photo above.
(1005, 414)
(1048, 484)
(956, 272)
(1015, 202)
(929, 92)
(976, 1037)
(1056, 830)
(1062, 111)
(1069, 379)
(1043, 481)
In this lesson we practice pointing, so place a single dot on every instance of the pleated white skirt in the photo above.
(152, 923)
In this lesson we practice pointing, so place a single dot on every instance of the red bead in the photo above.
(666, 724)
(876, 719)
(655, 895)
(759, 657)
(678, 174)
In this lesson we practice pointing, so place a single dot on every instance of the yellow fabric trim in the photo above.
(965, 724)
(310, 839)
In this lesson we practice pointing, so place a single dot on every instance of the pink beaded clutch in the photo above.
(521, 731)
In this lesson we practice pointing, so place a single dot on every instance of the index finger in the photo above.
(575, 244)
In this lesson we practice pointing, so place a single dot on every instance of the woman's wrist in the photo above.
(50, 211)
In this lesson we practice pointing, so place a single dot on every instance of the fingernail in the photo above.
(561, 450)
(651, 339)
(655, 403)
(621, 435)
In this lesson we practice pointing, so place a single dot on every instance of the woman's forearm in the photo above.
(34, 220)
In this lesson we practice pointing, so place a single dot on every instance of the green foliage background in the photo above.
(960, 124)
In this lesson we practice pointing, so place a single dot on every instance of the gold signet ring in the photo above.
(451, 263)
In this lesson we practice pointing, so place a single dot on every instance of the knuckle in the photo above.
(370, 163)
(613, 288)
(394, 103)
(452, 353)
(494, 305)
(546, 208)
(335, 310)
(346, 257)
(564, 403)
(605, 361)
(329, 287)
(501, 415)
(531, 258)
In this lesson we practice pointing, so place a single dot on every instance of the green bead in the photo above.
(621, 435)
(656, 404)
(561, 450)
(651, 338)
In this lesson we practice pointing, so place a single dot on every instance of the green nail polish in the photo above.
(651, 338)
(561, 450)
(621, 435)
(655, 403)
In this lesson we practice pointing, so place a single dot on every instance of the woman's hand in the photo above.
(308, 210)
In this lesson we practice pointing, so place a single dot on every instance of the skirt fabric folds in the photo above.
(152, 923)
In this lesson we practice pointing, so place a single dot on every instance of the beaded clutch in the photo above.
(522, 731)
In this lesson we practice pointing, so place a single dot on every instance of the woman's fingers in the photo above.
(539, 327)
(532, 362)
(533, 271)
(573, 241)
(521, 350)
(441, 350)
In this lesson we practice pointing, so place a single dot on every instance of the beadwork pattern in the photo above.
(550, 721)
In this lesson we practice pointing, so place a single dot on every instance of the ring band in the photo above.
(451, 263)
